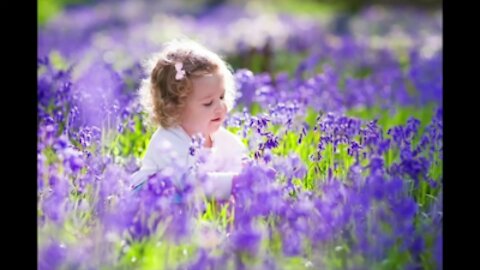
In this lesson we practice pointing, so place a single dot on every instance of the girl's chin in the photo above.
(214, 126)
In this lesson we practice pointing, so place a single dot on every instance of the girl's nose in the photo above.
(218, 107)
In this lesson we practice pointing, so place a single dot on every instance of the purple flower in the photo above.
(246, 240)
(291, 244)
(405, 209)
(202, 261)
(181, 223)
(61, 143)
(397, 134)
(52, 256)
(383, 146)
(412, 127)
(417, 245)
(406, 153)
(376, 164)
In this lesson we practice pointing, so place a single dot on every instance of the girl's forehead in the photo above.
(208, 84)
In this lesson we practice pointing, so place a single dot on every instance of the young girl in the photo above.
(188, 93)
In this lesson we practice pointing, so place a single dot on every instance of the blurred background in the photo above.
(253, 34)
(328, 55)
(49, 9)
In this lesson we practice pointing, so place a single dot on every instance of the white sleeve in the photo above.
(227, 163)
(240, 147)
(243, 152)
(154, 160)
(219, 184)
(148, 168)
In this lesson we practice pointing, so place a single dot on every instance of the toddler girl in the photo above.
(188, 92)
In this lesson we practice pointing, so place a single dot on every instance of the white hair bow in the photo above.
(180, 72)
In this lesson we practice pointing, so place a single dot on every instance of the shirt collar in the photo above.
(181, 133)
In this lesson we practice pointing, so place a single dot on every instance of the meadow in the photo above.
(343, 126)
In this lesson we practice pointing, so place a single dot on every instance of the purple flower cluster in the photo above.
(323, 189)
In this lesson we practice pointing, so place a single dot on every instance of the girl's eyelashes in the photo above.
(208, 104)
(211, 102)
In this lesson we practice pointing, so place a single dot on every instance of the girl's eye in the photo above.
(208, 104)
(221, 97)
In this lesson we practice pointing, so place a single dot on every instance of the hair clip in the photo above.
(180, 72)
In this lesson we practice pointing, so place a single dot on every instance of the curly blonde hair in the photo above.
(162, 96)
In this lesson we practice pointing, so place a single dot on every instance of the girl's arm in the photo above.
(140, 177)
(155, 159)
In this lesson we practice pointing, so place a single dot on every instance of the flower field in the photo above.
(343, 127)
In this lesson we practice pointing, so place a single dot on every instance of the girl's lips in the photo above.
(216, 119)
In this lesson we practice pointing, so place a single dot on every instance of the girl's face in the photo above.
(205, 108)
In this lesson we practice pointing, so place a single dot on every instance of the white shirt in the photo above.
(224, 162)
